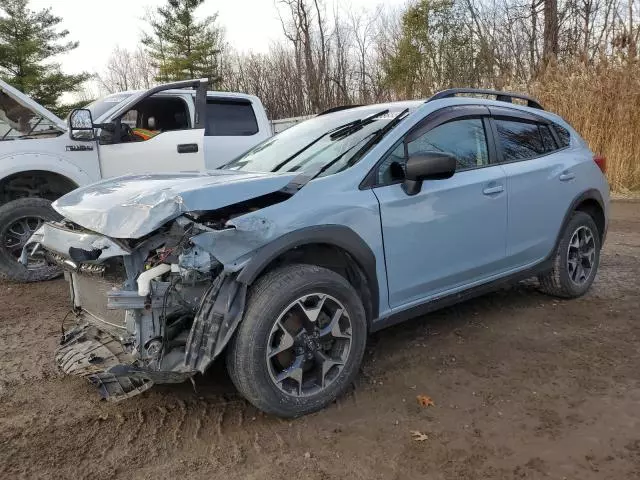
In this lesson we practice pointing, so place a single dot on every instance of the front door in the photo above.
(452, 233)
(159, 133)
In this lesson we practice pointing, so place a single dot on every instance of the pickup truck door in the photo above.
(233, 125)
(179, 145)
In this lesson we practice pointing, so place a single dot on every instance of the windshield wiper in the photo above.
(338, 132)
(356, 125)
(374, 139)
(378, 136)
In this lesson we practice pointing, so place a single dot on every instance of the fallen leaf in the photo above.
(425, 401)
(419, 436)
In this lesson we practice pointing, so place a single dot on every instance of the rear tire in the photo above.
(18, 220)
(301, 341)
(576, 259)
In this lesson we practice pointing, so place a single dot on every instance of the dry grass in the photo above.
(603, 104)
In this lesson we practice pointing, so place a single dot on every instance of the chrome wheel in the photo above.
(16, 236)
(309, 345)
(581, 255)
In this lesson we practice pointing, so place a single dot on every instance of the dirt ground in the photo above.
(524, 386)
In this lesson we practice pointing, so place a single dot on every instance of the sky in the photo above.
(102, 25)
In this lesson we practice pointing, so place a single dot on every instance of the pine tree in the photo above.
(28, 42)
(181, 46)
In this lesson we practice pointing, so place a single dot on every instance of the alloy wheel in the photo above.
(309, 345)
(16, 236)
(581, 255)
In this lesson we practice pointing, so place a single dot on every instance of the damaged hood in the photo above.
(133, 206)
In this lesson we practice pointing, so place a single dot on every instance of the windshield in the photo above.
(322, 145)
(17, 121)
(102, 106)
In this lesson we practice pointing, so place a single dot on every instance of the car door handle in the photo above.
(493, 190)
(566, 176)
(188, 148)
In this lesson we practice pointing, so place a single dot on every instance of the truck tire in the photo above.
(18, 220)
(576, 259)
(301, 341)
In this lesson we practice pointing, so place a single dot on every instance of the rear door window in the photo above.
(230, 118)
(523, 140)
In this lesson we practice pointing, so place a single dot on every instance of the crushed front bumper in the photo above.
(96, 355)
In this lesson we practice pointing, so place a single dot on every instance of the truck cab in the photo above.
(173, 127)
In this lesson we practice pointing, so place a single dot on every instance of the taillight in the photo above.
(601, 162)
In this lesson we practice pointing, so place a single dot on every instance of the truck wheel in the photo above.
(300, 342)
(18, 220)
(576, 259)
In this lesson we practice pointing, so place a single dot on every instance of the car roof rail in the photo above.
(500, 96)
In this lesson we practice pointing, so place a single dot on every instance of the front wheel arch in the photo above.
(338, 239)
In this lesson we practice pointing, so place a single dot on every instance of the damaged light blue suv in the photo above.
(288, 256)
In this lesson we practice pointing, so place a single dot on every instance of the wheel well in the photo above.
(35, 183)
(592, 208)
(334, 258)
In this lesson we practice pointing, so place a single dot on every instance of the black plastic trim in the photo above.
(458, 297)
(200, 107)
(500, 96)
(591, 194)
(336, 235)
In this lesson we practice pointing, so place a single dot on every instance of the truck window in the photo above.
(230, 118)
(154, 115)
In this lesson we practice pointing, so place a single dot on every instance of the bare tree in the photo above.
(127, 70)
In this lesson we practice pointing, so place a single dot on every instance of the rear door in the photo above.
(233, 126)
(452, 234)
(541, 173)
(175, 126)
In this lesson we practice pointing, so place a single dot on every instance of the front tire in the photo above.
(576, 259)
(19, 219)
(301, 341)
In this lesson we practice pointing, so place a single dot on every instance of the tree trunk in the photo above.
(550, 46)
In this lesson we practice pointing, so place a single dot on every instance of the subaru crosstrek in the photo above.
(288, 256)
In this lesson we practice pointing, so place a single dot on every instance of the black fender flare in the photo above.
(335, 235)
(591, 194)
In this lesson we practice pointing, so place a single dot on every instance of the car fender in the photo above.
(336, 235)
(15, 163)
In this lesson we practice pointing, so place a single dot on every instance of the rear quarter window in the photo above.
(563, 135)
(230, 118)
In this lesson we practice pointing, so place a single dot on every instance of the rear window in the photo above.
(230, 118)
(523, 140)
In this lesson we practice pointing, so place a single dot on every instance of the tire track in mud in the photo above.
(117, 432)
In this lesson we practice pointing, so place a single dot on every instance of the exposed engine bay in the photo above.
(157, 309)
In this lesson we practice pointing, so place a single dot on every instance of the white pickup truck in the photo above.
(173, 127)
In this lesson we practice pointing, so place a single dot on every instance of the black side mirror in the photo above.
(81, 124)
(427, 166)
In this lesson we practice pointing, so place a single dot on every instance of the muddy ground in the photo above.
(525, 386)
